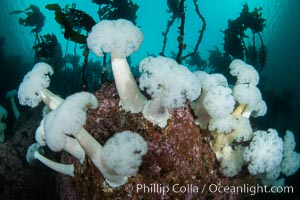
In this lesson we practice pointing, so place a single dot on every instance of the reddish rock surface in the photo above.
(19, 180)
(178, 156)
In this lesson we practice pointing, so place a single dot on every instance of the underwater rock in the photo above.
(24, 130)
(179, 163)
(19, 180)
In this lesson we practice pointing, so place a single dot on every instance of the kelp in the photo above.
(178, 10)
(34, 18)
(73, 21)
(235, 35)
(46, 47)
(197, 61)
(116, 9)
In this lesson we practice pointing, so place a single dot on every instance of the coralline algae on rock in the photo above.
(179, 163)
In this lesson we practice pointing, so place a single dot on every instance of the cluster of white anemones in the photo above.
(222, 109)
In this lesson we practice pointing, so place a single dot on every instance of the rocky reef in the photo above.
(19, 180)
(179, 163)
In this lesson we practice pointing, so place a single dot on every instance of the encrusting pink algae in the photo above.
(179, 163)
